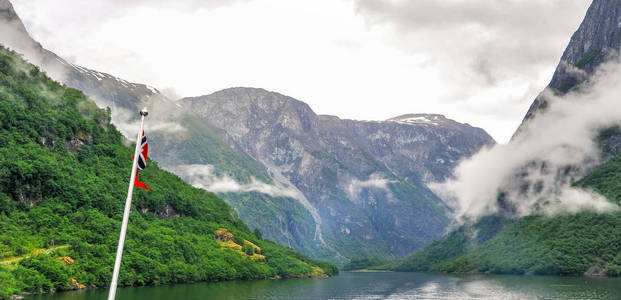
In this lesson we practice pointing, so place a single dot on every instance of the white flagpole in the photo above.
(128, 205)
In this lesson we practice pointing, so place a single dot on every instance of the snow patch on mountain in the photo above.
(152, 89)
(418, 119)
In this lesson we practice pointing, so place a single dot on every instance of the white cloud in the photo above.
(127, 123)
(573, 200)
(376, 181)
(203, 176)
(535, 170)
(480, 62)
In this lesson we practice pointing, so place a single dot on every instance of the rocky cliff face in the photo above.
(363, 182)
(419, 147)
(597, 40)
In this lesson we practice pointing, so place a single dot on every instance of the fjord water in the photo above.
(374, 286)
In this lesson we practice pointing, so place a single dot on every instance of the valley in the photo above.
(251, 184)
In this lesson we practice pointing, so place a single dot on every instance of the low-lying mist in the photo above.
(377, 181)
(205, 177)
(127, 122)
(535, 170)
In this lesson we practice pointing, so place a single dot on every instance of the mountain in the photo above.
(63, 175)
(585, 243)
(362, 181)
(419, 147)
(332, 188)
(597, 41)
(582, 243)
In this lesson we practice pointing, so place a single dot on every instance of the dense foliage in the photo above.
(571, 244)
(565, 245)
(63, 179)
(456, 243)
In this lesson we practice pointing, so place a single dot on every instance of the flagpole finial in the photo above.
(144, 112)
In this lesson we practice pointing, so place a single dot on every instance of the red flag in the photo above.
(138, 183)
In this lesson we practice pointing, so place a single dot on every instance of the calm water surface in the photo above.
(374, 286)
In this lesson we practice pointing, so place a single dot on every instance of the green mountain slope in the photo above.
(279, 218)
(573, 244)
(63, 172)
(455, 244)
(198, 143)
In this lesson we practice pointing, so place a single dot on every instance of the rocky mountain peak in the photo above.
(244, 110)
(597, 40)
(6, 11)
(256, 98)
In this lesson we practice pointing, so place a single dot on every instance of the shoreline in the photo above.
(277, 277)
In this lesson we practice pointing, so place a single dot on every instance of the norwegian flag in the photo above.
(144, 150)
(142, 161)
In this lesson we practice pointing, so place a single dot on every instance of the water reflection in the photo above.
(390, 286)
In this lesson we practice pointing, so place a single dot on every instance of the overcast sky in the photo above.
(475, 61)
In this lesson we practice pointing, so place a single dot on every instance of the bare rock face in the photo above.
(364, 182)
(597, 40)
(419, 147)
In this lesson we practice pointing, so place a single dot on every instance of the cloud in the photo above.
(493, 57)
(480, 62)
(536, 169)
(170, 93)
(205, 177)
(127, 123)
(95, 12)
(375, 181)
(496, 39)
(573, 200)
(180, 4)
(14, 36)
(59, 24)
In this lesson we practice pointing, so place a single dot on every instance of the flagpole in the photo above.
(128, 205)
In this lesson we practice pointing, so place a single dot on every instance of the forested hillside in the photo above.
(571, 244)
(63, 178)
